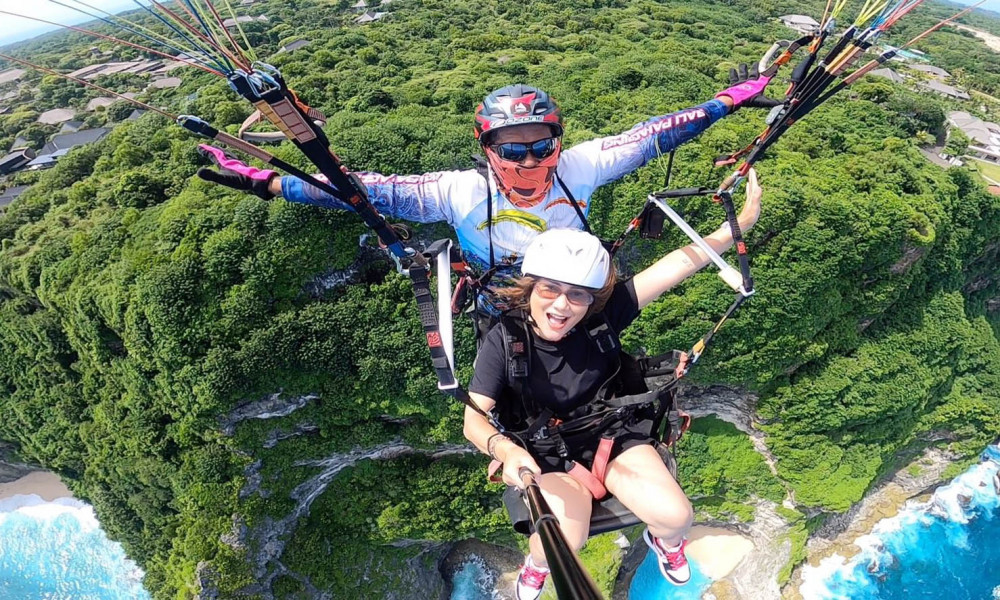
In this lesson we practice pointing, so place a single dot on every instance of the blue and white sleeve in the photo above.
(611, 158)
(423, 198)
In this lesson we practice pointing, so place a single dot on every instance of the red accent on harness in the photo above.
(491, 471)
(433, 339)
(587, 479)
(685, 422)
(741, 247)
(601, 458)
(457, 295)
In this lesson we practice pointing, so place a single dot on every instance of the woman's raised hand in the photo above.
(751, 208)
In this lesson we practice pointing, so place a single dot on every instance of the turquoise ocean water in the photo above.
(57, 551)
(945, 548)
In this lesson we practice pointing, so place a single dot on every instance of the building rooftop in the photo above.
(370, 16)
(45, 161)
(944, 88)
(11, 75)
(800, 20)
(932, 70)
(166, 83)
(71, 126)
(68, 141)
(56, 116)
(981, 132)
(96, 103)
(244, 19)
(11, 194)
(888, 74)
(16, 160)
(293, 46)
(135, 66)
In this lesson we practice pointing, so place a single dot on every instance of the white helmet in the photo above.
(570, 256)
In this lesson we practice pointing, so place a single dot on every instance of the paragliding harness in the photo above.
(640, 397)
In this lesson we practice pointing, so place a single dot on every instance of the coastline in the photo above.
(717, 551)
(44, 484)
(914, 480)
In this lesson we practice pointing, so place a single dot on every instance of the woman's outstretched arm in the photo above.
(684, 262)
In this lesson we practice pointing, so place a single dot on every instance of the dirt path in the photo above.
(991, 40)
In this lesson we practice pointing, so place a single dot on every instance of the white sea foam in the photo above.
(954, 503)
(51, 550)
(36, 507)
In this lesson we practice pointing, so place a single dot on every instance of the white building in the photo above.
(371, 16)
(935, 72)
(800, 23)
(984, 137)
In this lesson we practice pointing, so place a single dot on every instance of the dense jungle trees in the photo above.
(139, 305)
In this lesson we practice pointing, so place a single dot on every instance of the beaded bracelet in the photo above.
(491, 443)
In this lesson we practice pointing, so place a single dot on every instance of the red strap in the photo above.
(491, 471)
(685, 421)
(601, 458)
(455, 308)
(587, 479)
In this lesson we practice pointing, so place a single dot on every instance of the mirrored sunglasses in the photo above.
(551, 290)
(517, 152)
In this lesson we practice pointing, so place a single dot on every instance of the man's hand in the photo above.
(747, 88)
(235, 174)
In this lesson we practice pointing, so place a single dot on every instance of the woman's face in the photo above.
(556, 308)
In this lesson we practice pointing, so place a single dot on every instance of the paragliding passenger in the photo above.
(568, 292)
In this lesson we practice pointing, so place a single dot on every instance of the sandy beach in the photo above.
(717, 551)
(41, 483)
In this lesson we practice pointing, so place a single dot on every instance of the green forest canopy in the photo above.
(138, 304)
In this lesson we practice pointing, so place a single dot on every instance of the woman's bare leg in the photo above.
(640, 481)
(571, 504)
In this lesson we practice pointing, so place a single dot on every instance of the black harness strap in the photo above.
(483, 168)
(427, 311)
(574, 203)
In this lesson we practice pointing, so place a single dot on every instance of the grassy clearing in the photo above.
(987, 169)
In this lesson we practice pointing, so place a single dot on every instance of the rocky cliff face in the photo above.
(12, 469)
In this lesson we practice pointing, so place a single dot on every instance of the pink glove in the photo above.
(235, 174)
(747, 88)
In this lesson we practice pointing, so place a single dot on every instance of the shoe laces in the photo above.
(532, 577)
(675, 558)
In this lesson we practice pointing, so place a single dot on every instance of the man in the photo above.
(528, 184)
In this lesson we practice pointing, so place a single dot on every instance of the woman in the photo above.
(568, 280)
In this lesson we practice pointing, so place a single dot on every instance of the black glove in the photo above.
(235, 174)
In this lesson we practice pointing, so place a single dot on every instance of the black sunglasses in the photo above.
(517, 152)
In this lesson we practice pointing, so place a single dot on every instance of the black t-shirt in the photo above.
(561, 375)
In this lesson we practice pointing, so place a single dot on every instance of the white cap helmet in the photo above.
(568, 255)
